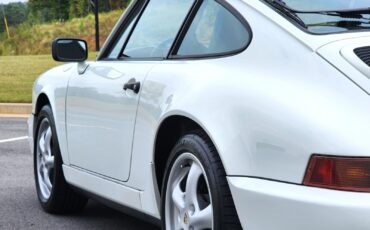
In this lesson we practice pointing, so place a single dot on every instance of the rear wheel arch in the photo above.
(168, 134)
(196, 144)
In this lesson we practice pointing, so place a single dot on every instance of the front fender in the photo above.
(53, 84)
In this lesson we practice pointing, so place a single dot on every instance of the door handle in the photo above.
(133, 85)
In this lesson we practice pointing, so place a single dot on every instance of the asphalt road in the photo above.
(19, 207)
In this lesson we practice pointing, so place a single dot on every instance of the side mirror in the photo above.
(69, 50)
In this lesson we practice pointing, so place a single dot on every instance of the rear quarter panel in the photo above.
(267, 109)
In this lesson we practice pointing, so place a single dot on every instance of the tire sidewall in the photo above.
(46, 112)
(196, 146)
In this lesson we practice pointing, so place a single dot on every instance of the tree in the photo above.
(47, 10)
(61, 9)
(119, 4)
(78, 8)
(15, 13)
(42, 11)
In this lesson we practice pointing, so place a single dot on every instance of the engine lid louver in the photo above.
(364, 54)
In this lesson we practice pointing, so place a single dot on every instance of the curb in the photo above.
(15, 109)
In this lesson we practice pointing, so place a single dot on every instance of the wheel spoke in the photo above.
(178, 225)
(49, 162)
(42, 144)
(47, 141)
(48, 184)
(191, 186)
(185, 207)
(178, 198)
(203, 219)
(45, 159)
(47, 179)
(41, 170)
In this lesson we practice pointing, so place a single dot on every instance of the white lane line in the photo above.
(14, 139)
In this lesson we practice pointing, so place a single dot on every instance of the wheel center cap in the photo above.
(186, 218)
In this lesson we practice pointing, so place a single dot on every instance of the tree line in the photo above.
(43, 11)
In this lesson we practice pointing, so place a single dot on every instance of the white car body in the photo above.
(289, 95)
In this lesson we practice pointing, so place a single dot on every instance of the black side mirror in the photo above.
(69, 50)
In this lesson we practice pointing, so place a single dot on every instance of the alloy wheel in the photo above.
(45, 159)
(188, 198)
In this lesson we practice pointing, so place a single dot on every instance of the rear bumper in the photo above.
(30, 122)
(265, 205)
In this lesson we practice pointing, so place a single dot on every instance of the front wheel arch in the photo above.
(41, 101)
(61, 197)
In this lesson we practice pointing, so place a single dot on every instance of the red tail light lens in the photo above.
(341, 173)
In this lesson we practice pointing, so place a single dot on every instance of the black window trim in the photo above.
(179, 37)
(184, 28)
(132, 31)
(121, 57)
(137, 7)
(183, 33)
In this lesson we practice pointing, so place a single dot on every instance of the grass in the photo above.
(17, 74)
(36, 39)
(31, 43)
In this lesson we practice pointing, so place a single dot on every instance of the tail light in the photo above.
(341, 173)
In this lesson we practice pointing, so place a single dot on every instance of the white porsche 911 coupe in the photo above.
(213, 114)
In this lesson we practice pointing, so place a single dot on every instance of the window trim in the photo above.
(137, 6)
(181, 37)
(121, 57)
(133, 29)
(185, 27)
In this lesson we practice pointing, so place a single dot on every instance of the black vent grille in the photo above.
(364, 54)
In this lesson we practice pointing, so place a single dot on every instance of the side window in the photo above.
(214, 30)
(157, 28)
(115, 52)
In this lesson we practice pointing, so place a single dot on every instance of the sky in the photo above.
(7, 1)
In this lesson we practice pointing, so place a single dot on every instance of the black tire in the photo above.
(63, 199)
(198, 144)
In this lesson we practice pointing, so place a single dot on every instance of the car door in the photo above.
(102, 102)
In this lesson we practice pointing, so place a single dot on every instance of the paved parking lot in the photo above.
(19, 208)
